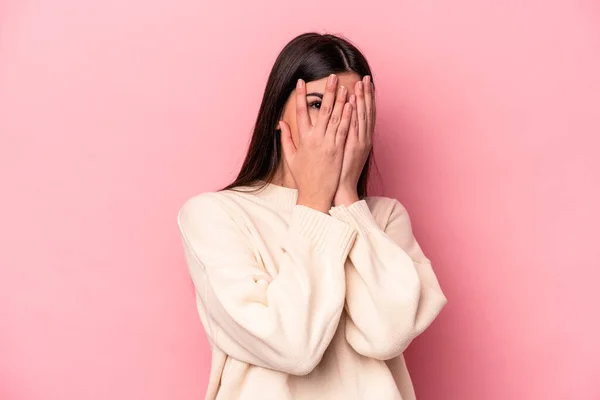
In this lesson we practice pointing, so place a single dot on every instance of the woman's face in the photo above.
(314, 96)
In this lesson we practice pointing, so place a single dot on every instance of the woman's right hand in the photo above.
(316, 162)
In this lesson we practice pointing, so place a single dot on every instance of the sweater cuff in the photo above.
(358, 215)
(322, 230)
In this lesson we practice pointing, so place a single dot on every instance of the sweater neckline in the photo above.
(281, 195)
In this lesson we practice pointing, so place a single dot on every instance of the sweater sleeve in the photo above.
(392, 293)
(282, 322)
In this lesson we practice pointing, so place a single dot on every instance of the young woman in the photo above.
(306, 287)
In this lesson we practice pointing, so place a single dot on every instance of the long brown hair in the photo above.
(310, 56)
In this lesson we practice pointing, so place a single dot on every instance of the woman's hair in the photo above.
(310, 56)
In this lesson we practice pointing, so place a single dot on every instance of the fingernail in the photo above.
(299, 83)
(352, 99)
(342, 90)
(332, 78)
(367, 79)
(360, 85)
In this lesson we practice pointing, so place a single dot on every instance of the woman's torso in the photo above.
(342, 373)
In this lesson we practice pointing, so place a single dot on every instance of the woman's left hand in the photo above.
(358, 143)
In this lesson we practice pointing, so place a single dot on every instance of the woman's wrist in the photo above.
(345, 196)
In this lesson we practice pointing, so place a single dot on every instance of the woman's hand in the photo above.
(359, 142)
(316, 162)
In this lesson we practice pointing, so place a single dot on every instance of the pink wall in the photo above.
(112, 113)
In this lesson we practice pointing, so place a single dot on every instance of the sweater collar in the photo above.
(281, 195)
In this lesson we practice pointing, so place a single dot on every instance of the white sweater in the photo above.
(298, 304)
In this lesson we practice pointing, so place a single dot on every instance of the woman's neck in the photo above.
(283, 177)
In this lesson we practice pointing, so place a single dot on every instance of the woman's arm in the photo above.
(392, 293)
(283, 323)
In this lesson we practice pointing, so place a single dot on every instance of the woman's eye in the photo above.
(315, 104)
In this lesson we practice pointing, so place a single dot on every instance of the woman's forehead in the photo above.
(347, 79)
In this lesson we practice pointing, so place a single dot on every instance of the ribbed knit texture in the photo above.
(299, 304)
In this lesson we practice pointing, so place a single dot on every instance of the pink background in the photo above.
(112, 113)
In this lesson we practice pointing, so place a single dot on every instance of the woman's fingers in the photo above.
(287, 144)
(336, 114)
(369, 106)
(374, 113)
(361, 110)
(327, 104)
(353, 130)
(343, 129)
(302, 117)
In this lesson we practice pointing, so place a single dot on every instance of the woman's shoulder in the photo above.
(211, 205)
(386, 208)
(201, 201)
(384, 203)
(201, 206)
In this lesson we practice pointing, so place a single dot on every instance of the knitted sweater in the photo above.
(299, 304)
